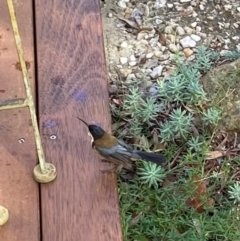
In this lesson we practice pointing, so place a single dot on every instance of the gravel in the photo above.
(142, 37)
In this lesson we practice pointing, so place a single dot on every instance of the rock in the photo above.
(180, 31)
(187, 42)
(122, 4)
(154, 41)
(173, 48)
(153, 90)
(236, 38)
(112, 89)
(188, 52)
(132, 58)
(141, 35)
(158, 53)
(123, 60)
(227, 7)
(157, 71)
(217, 83)
(238, 9)
(149, 55)
(168, 30)
(191, 58)
(132, 63)
(194, 14)
(198, 29)
(236, 25)
(185, 1)
(194, 24)
(146, 36)
(193, 3)
(128, 10)
(125, 72)
(131, 76)
(179, 8)
(151, 63)
(203, 35)
(146, 82)
(189, 30)
(158, 21)
(110, 15)
(169, 5)
(195, 37)
(164, 57)
(201, 7)
(124, 44)
(159, 4)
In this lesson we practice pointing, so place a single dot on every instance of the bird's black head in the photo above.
(96, 131)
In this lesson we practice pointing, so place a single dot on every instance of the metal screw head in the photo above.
(21, 140)
(53, 137)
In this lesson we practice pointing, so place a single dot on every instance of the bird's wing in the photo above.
(119, 154)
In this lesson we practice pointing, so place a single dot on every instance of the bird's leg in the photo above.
(104, 160)
(117, 169)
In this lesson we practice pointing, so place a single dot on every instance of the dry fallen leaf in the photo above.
(129, 22)
(143, 142)
(197, 201)
(162, 39)
(116, 125)
(215, 154)
(135, 219)
(117, 101)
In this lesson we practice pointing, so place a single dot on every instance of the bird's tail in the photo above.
(157, 158)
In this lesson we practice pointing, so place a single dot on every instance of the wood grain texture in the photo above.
(82, 203)
(19, 193)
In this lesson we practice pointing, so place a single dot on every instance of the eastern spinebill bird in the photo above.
(118, 152)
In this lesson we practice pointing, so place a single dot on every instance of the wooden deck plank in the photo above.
(82, 203)
(19, 193)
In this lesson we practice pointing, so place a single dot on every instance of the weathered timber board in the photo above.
(82, 203)
(19, 193)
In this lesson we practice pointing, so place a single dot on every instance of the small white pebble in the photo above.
(124, 44)
(236, 38)
(189, 30)
(180, 31)
(169, 5)
(194, 24)
(227, 7)
(235, 25)
(131, 76)
(194, 14)
(201, 7)
(168, 30)
(122, 4)
(123, 60)
(187, 42)
(132, 58)
(132, 63)
(149, 55)
(158, 21)
(198, 29)
(157, 71)
(195, 37)
(158, 53)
